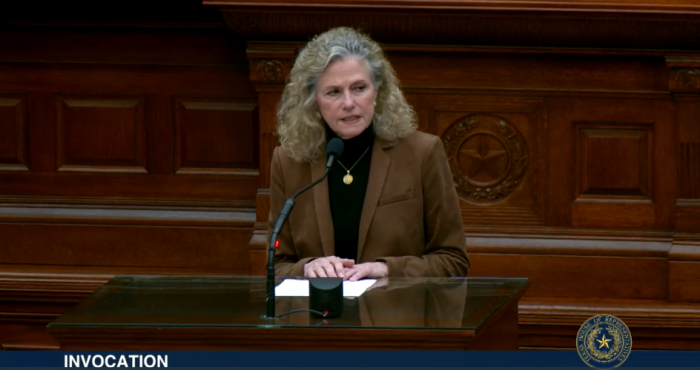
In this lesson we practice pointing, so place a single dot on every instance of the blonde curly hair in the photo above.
(301, 129)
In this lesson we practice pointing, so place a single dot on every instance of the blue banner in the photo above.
(333, 359)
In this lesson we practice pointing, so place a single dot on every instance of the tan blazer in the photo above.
(410, 217)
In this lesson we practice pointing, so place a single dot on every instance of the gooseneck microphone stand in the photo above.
(333, 150)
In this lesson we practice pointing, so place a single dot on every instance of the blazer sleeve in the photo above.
(445, 252)
(287, 263)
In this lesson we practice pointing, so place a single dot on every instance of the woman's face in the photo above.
(345, 96)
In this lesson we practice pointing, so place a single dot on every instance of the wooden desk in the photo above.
(165, 313)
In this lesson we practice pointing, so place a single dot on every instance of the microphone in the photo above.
(334, 149)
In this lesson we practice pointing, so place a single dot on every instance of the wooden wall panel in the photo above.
(269, 66)
(687, 217)
(654, 324)
(93, 118)
(615, 207)
(216, 137)
(155, 83)
(570, 264)
(14, 138)
(614, 160)
(106, 78)
(579, 276)
(689, 171)
(684, 269)
(614, 171)
(148, 247)
(619, 214)
(665, 180)
(493, 145)
(101, 134)
(27, 337)
(533, 70)
(572, 144)
(684, 277)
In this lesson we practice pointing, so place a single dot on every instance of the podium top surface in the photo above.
(227, 302)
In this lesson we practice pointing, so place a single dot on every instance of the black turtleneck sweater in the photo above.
(347, 200)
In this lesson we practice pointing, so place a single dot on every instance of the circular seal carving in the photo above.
(488, 157)
(269, 70)
(604, 342)
(688, 78)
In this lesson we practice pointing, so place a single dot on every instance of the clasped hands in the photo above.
(345, 268)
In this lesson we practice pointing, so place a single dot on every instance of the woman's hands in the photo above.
(372, 270)
(344, 268)
(327, 267)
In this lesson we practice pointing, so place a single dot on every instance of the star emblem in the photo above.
(486, 160)
(603, 342)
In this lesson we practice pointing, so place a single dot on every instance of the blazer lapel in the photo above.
(379, 167)
(323, 207)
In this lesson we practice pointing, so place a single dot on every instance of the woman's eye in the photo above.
(332, 93)
(360, 88)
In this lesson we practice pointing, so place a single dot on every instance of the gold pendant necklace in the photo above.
(347, 179)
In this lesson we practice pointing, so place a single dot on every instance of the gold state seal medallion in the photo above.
(604, 342)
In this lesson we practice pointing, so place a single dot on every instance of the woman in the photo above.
(388, 206)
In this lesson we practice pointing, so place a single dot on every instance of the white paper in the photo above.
(292, 288)
(300, 288)
(356, 288)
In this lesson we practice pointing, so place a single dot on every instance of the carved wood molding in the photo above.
(589, 244)
(639, 313)
(689, 167)
(686, 80)
(684, 268)
(672, 262)
(228, 338)
(683, 74)
(270, 63)
(500, 216)
(493, 164)
(71, 284)
(633, 6)
(27, 286)
(125, 212)
(16, 160)
(27, 317)
(525, 26)
(566, 233)
(686, 247)
(257, 248)
(554, 322)
(269, 71)
(488, 157)
(688, 215)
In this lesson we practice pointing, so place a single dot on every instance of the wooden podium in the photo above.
(166, 313)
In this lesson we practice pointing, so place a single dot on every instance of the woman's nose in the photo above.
(348, 101)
